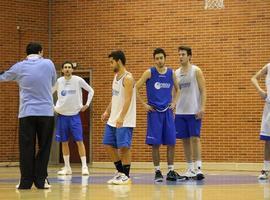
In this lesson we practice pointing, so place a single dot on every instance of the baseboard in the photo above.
(9, 164)
(182, 166)
(178, 165)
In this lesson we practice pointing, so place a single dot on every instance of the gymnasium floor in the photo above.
(218, 185)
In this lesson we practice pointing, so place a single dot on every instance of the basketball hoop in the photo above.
(213, 4)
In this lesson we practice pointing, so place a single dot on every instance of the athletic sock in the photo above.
(170, 167)
(119, 167)
(83, 160)
(126, 169)
(157, 168)
(266, 165)
(66, 161)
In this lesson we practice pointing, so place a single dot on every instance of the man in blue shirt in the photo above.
(35, 77)
(160, 81)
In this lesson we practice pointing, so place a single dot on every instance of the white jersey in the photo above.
(118, 99)
(267, 83)
(190, 99)
(265, 125)
(69, 93)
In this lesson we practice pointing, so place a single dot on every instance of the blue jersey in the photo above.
(159, 88)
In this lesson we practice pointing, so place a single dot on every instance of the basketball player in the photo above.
(265, 125)
(68, 106)
(35, 76)
(160, 81)
(190, 109)
(122, 119)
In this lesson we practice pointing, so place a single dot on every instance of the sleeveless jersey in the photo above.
(159, 88)
(189, 101)
(118, 99)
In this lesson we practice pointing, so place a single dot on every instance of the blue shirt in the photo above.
(159, 88)
(35, 77)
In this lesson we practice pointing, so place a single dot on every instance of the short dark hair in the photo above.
(186, 48)
(158, 51)
(118, 55)
(67, 62)
(33, 48)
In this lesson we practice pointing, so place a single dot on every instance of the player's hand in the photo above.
(84, 108)
(263, 94)
(104, 116)
(199, 115)
(55, 112)
(172, 105)
(119, 122)
(148, 108)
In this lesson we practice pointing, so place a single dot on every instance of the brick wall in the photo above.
(229, 45)
(32, 17)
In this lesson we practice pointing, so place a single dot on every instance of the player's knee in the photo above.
(80, 144)
(124, 150)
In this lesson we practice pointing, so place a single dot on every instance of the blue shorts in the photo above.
(160, 128)
(118, 137)
(67, 125)
(264, 137)
(187, 126)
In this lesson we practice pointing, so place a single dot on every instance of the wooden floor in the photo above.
(218, 185)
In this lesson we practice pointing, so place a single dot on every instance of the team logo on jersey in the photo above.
(68, 92)
(159, 85)
(63, 92)
(184, 85)
(115, 92)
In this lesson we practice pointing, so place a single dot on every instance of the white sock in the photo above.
(157, 168)
(266, 165)
(66, 160)
(83, 159)
(170, 167)
(198, 164)
(190, 166)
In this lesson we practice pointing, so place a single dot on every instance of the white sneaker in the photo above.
(122, 180)
(189, 174)
(85, 171)
(116, 175)
(264, 175)
(65, 171)
(47, 184)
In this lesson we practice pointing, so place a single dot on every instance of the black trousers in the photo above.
(33, 165)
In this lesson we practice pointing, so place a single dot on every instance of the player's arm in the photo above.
(55, 87)
(10, 74)
(146, 75)
(90, 91)
(107, 112)
(176, 92)
(129, 84)
(54, 75)
(262, 72)
(201, 84)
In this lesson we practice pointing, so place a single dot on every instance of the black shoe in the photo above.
(43, 185)
(174, 176)
(24, 184)
(23, 187)
(199, 176)
(158, 176)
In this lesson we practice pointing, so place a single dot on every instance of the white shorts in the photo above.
(265, 125)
